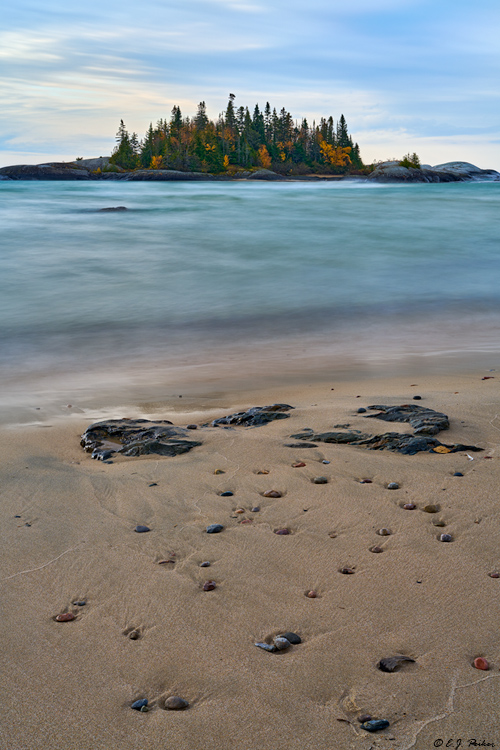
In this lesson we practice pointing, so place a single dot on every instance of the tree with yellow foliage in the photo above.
(263, 157)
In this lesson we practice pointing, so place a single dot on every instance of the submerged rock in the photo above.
(135, 437)
(254, 417)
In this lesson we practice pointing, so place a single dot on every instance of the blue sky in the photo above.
(409, 75)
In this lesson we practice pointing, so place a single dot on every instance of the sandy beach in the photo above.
(146, 629)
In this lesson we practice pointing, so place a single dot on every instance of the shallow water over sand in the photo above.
(201, 284)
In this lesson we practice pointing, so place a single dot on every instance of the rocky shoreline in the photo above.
(101, 169)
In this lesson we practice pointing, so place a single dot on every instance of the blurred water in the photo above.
(192, 266)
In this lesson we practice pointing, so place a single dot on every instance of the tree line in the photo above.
(240, 140)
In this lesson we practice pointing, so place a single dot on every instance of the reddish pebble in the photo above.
(66, 617)
(282, 532)
(298, 466)
(364, 717)
(239, 510)
(246, 520)
(209, 586)
(271, 493)
(494, 575)
(409, 506)
(311, 594)
(481, 663)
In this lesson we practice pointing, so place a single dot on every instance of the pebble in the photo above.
(346, 571)
(176, 703)
(392, 663)
(219, 471)
(239, 510)
(79, 603)
(65, 617)
(141, 703)
(320, 480)
(376, 548)
(281, 643)
(266, 646)
(393, 486)
(256, 509)
(228, 493)
(209, 586)
(375, 725)
(361, 410)
(166, 561)
(409, 506)
(311, 594)
(481, 663)
(205, 564)
(325, 461)
(191, 427)
(263, 471)
(364, 717)
(431, 508)
(299, 465)
(366, 481)
(271, 493)
(417, 398)
(282, 532)
(458, 474)
(293, 638)
(438, 522)
(494, 575)
(142, 529)
(214, 528)
(384, 532)
(445, 538)
(247, 520)
(153, 484)
(134, 635)
(332, 534)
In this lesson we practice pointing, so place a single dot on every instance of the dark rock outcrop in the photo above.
(266, 174)
(135, 437)
(53, 171)
(167, 175)
(254, 417)
(391, 171)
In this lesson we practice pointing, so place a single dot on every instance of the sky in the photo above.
(409, 75)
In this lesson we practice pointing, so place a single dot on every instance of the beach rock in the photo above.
(347, 571)
(265, 174)
(266, 646)
(480, 663)
(134, 635)
(299, 465)
(417, 398)
(65, 617)
(271, 493)
(423, 420)
(376, 549)
(445, 538)
(312, 594)
(254, 417)
(209, 586)
(214, 528)
(176, 703)
(375, 725)
(384, 532)
(300, 445)
(262, 472)
(494, 575)
(141, 703)
(393, 486)
(282, 532)
(364, 717)
(409, 506)
(256, 509)
(361, 410)
(458, 171)
(205, 564)
(79, 603)
(168, 175)
(431, 508)
(292, 638)
(392, 663)
(365, 481)
(228, 493)
(191, 427)
(136, 437)
(51, 171)
(142, 529)
(438, 522)
(320, 480)
(281, 643)
(219, 471)
(458, 474)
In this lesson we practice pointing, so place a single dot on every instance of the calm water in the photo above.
(199, 272)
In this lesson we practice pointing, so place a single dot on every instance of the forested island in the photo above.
(240, 140)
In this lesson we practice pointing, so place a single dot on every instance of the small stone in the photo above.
(417, 398)
(142, 529)
(438, 522)
(263, 471)
(365, 481)
(393, 486)
(167, 561)
(481, 663)
(409, 506)
(458, 474)
(361, 410)
(325, 461)
(138, 705)
(79, 603)
(205, 564)
(282, 532)
(364, 717)
(134, 635)
(431, 508)
(332, 534)
(246, 520)
(239, 510)
(191, 427)
(281, 643)
(209, 586)
(266, 646)
(65, 617)
(376, 549)
(494, 575)
(175, 703)
(346, 571)
(153, 484)
(392, 663)
(320, 480)
(228, 493)
(256, 509)
(293, 638)
(299, 465)
(445, 538)
(271, 493)
(384, 532)
(219, 471)
(311, 594)
(375, 725)
(214, 528)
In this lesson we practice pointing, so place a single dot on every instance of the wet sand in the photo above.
(68, 536)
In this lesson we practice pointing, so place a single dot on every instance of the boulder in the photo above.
(391, 171)
(52, 171)
(266, 174)
(135, 437)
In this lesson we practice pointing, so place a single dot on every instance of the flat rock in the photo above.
(254, 417)
(424, 421)
(214, 528)
(176, 703)
(135, 437)
(392, 663)
(293, 638)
